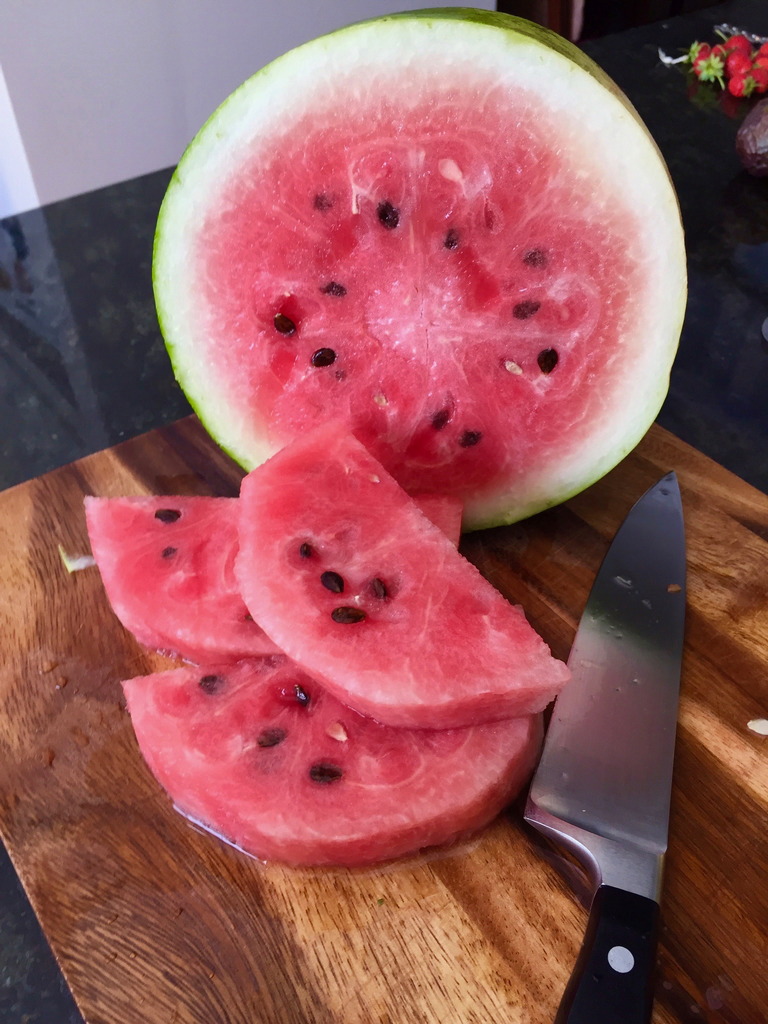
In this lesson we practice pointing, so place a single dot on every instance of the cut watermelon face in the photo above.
(263, 757)
(356, 585)
(167, 564)
(449, 231)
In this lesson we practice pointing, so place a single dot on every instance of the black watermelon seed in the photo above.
(535, 258)
(332, 581)
(301, 695)
(271, 737)
(440, 419)
(169, 552)
(452, 239)
(323, 357)
(322, 201)
(388, 214)
(247, 617)
(167, 515)
(525, 309)
(378, 588)
(305, 550)
(334, 288)
(284, 324)
(547, 360)
(346, 615)
(211, 683)
(470, 438)
(325, 773)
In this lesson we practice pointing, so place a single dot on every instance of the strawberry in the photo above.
(719, 51)
(741, 85)
(760, 77)
(697, 50)
(739, 44)
(737, 63)
(762, 51)
(709, 69)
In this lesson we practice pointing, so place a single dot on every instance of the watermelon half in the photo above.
(448, 228)
(262, 756)
(351, 580)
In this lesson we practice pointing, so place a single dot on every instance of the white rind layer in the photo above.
(387, 56)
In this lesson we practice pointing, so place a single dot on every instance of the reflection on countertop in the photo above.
(83, 361)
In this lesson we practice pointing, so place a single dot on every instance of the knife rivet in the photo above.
(620, 959)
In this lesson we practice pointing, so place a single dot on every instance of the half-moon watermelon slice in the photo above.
(167, 565)
(262, 756)
(448, 228)
(356, 585)
(168, 568)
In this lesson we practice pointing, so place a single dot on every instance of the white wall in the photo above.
(17, 187)
(104, 90)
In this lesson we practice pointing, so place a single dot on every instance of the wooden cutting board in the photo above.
(154, 922)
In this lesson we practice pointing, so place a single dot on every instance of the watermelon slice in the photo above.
(353, 582)
(448, 228)
(167, 564)
(260, 755)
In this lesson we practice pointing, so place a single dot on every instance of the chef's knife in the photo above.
(602, 787)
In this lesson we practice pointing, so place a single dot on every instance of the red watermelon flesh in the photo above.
(462, 261)
(262, 756)
(477, 319)
(355, 584)
(167, 564)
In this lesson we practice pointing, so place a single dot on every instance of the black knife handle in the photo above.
(612, 982)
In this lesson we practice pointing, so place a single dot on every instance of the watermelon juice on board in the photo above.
(434, 252)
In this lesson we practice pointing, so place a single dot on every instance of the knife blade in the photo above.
(603, 785)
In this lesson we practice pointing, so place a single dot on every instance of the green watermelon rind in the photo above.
(517, 30)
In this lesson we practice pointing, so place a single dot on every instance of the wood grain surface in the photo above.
(154, 922)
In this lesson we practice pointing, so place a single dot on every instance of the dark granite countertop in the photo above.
(83, 364)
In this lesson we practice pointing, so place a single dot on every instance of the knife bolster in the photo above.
(607, 861)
